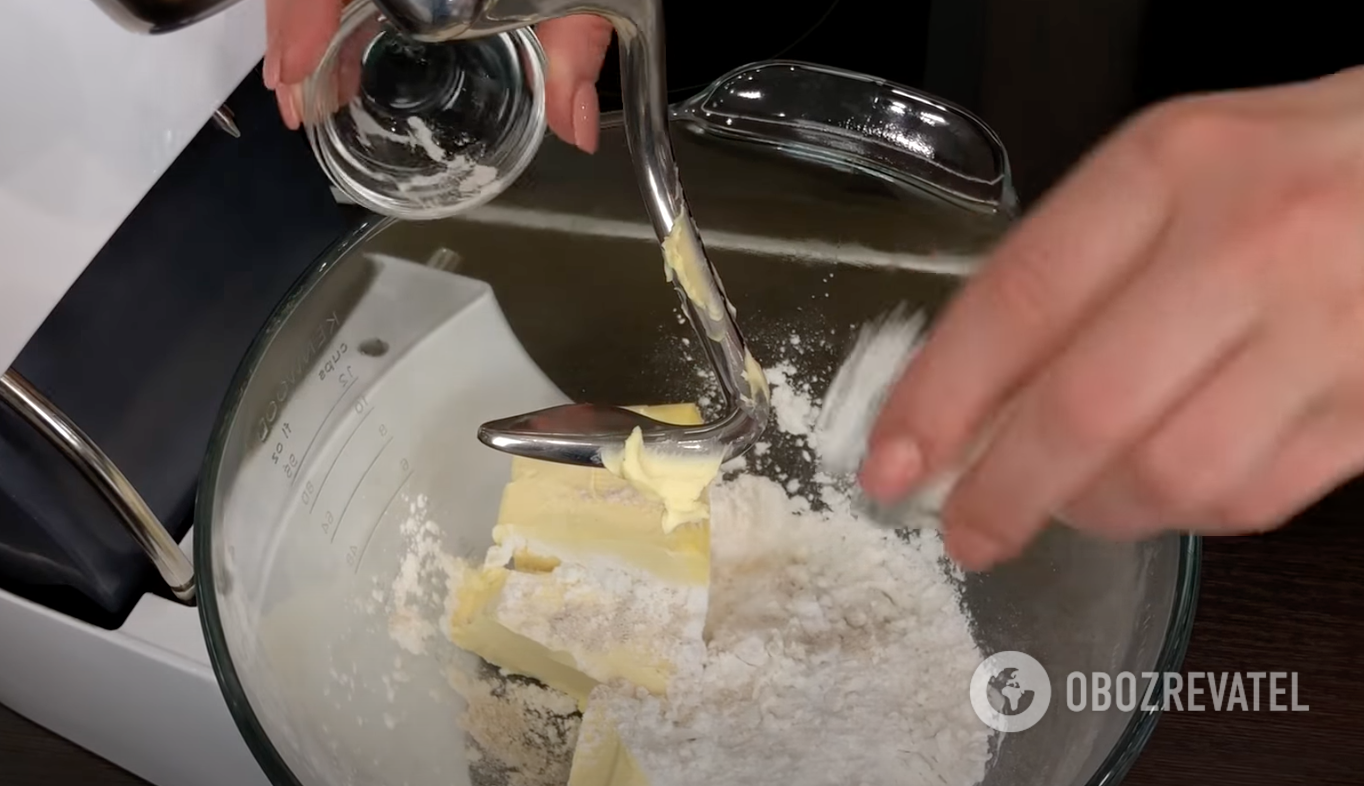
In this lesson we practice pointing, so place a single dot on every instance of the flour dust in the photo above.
(836, 652)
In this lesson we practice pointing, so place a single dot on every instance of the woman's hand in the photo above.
(1173, 339)
(299, 31)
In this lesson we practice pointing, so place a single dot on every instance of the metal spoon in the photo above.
(577, 433)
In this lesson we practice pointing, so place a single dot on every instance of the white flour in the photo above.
(516, 732)
(520, 733)
(837, 652)
(883, 351)
(599, 606)
(794, 408)
(457, 173)
(859, 388)
(423, 570)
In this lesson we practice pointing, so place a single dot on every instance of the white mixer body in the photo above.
(94, 114)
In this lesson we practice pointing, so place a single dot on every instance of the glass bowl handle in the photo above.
(856, 122)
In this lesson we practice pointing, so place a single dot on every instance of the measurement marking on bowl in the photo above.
(379, 520)
(302, 459)
(341, 519)
(337, 458)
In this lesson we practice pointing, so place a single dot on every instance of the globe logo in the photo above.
(1006, 695)
(1010, 691)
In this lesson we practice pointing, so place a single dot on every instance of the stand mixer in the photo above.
(851, 213)
(579, 433)
(572, 433)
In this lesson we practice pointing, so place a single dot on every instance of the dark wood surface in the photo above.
(1286, 601)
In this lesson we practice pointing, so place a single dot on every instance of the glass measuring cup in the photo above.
(422, 130)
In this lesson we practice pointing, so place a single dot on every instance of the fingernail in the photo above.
(972, 549)
(296, 101)
(891, 469)
(284, 97)
(271, 69)
(585, 117)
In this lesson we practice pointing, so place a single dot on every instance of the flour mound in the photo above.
(837, 653)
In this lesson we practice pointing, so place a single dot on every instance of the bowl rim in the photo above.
(1178, 632)
(1114, 767)
(257, 740)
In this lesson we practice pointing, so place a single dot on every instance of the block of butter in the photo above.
(600, 758)
(583, 585)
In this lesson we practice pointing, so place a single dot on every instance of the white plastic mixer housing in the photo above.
(103, 118)
(365, 429)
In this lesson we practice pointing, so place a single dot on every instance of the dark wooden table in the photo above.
(1287, 601)
(1290, 600)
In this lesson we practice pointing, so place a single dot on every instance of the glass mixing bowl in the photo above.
(825, 199)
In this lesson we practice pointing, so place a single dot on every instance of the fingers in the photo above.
(1048, 277)
(1164, 343)
(1327, 450)
(1154, 345)
(297, 35)
(1213, 445)
(290, 101)
(347, 70)
(576, 48)
(299, 31)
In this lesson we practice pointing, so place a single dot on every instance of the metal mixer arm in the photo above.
(100, 470)
(639, 27)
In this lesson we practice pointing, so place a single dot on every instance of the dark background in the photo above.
(1052, 76)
